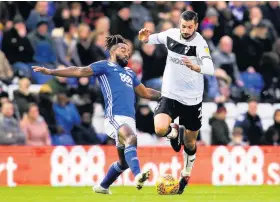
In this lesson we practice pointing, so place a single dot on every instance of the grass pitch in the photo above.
(147, 194)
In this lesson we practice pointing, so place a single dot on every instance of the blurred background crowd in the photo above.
(43, 110)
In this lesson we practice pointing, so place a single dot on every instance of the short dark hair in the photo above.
(68, 24)
(114, 40)
(189, 15)
(30, 105)
(253, 99)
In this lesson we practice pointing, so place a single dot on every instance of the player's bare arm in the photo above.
(65, 72)
(147, 93)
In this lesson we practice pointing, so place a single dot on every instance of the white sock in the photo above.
(173, 134)
(188, 164)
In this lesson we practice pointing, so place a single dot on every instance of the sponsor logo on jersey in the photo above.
(126, 79)
(176, 60)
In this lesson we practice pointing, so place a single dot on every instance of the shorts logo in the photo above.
(200, 112)
(157, 106)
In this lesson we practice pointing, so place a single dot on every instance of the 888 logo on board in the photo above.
(237, 166)
(77, 167)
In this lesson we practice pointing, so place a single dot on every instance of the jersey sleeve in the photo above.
(136, 81)
(159, 38)
(203, 51)
(203, 54)
(98, 68)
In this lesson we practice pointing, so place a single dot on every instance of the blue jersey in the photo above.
(117, 85)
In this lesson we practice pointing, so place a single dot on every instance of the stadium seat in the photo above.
(39, 78)
(208, 108)
(98, 118)
(242, 108)
(230, 122)
(44, 53)
(32, 89)
(62, 139)
(267, 123)
(231, 110)
(205, 131)
(276, 106)
(98, 110)
(265, 110)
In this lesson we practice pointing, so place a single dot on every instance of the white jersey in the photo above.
(179, 82)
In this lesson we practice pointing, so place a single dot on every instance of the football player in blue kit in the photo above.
(118, 84)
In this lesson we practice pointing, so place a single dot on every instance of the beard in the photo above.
(188, 36)
(121, 61)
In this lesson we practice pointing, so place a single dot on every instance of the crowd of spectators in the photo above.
(242, 36)
(247, 129)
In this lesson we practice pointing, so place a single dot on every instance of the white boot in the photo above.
(141, 178)
(100, 190)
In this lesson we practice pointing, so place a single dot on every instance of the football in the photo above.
(167, 185)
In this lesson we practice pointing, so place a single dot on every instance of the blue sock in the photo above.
(113, 173)
(131, 158)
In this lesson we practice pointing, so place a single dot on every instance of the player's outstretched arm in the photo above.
(65, 72)
(147, 93)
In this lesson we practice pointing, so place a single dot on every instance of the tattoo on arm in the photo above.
(153, 94)
(72, 72)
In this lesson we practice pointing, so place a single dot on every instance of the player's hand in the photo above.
(187, 61)
(143, 35)
(190, 65)
(43, 70)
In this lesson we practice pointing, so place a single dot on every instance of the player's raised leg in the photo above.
(115, 170)
(128, 138)
(162, 124)
(164, 113)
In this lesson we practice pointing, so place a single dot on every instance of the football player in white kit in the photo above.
(182, 88)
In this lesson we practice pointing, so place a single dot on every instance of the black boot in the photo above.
(183, 183)
(177, 142)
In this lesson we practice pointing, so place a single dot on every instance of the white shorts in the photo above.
(112, 126)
